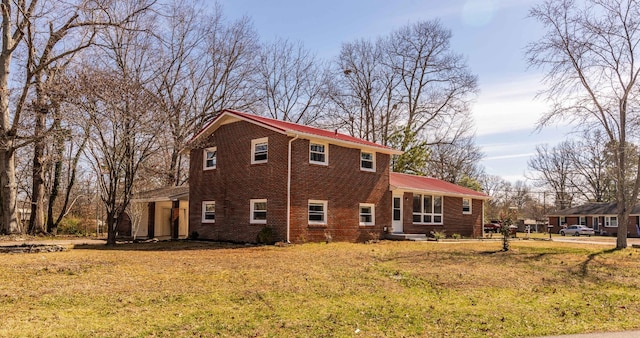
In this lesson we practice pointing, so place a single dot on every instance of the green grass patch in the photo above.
(321, 290)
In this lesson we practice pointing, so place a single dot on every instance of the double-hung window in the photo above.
(259, 150)
(427, 209)
(317, 212)
(367, 214)
(466, 205)
(258, 211)
(208, 212)
(611, 221)
(367, 161)
(318, 153)
(210, 158)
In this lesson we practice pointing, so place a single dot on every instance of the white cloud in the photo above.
(508, 105)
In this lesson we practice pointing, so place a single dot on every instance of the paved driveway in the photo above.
(603, 240)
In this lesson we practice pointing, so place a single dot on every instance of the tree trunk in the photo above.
(37, 222)
(10, 223)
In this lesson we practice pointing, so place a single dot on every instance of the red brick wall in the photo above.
(344, 186)
(453, 220)
(235, 181)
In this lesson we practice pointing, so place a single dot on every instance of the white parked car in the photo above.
(576, 230)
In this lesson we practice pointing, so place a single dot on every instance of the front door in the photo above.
(397, 214)
(596, 223)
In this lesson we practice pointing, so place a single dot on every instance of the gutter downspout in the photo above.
(289, 188)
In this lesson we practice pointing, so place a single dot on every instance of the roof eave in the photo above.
(380, 149)
(437, 192)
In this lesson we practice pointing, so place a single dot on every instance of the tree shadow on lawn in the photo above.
(584, 266)
(173, 245)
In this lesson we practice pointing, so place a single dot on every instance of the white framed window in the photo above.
(563, 220)
(582, 220)
(466, 205)
(317, 212)
(367, 161)
(258, 211)
(427, 209)
(210, 158)
(318, 153)
(259, 150)
(208, 211)
(367, 214)
(611, 221)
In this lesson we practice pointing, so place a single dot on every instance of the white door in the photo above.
(396, 217)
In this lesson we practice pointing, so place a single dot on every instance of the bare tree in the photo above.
(364, 92)
(44, 34)
(454, 162)
(435, 84)
(589, 52)
(122, 113)
(553, 168)
(291, 83)
(592, 177)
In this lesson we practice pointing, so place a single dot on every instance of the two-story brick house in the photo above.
(249, 172)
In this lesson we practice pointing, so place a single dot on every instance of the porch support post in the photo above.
(175, 219)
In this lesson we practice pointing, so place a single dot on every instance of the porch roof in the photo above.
(163, 194)
(425, 184)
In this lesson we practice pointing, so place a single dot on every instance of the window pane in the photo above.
(396, 202)
(417, 203)
(316, 212)
(366, 160)
(260, 215)
(427, 204)
(427, 218)
(210, 211)
(261, 150)
(466, 205)
(319, 148)
(437, 205)
(315, 157)
(437, 219)
(396, 214)
(417, 218)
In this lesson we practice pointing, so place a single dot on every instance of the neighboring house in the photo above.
(160, 213)
(602, 217)
(249, 172)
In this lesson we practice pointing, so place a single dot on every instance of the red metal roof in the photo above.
(294, 128)
(430, 184)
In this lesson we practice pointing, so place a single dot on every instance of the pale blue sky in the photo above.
(492, 34)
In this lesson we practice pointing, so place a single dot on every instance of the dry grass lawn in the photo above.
(338, 289)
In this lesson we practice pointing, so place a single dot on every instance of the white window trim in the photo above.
(433, 214)
(204, 158)
(252, 209)
(607, 222)
(470, 206)
(373, 159)
(324, 209)
(255, 142)
(373, 214)
(204, 203)
(326, 153)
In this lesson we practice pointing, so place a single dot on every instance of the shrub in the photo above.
(70, 226)
(456, 236)
(439, 235)
(265, 236)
